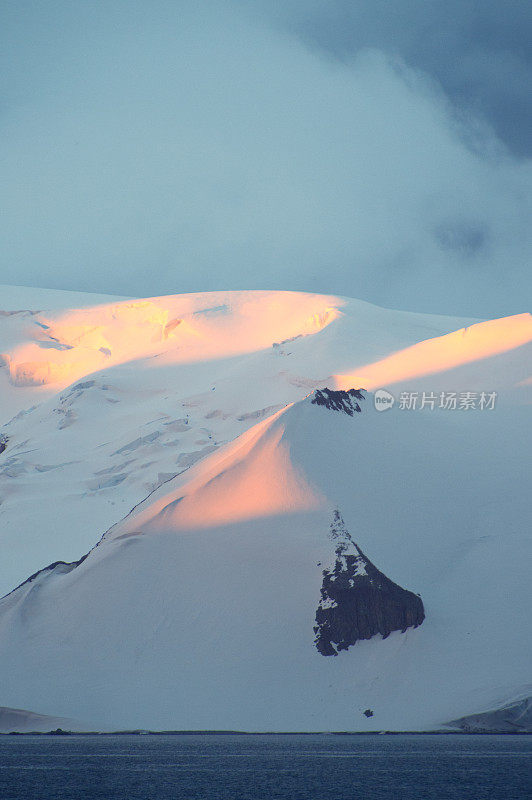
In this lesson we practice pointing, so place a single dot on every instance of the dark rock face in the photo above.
(339, 400)
(358, 601)
(3, 442)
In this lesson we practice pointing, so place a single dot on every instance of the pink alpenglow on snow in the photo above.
(212, 532)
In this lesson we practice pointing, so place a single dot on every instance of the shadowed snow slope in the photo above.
(20, 721)
(266, 519)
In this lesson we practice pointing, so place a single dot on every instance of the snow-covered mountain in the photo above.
(239, 537)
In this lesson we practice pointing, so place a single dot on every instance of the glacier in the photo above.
(173, 468)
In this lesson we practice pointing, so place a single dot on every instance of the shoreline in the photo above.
(61, 732)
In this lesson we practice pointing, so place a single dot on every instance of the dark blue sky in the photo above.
(374, 149)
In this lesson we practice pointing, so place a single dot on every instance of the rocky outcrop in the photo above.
(357, 600)
(3, 442)
(339, 400)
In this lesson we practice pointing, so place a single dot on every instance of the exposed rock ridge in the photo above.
(339, 399)
(357, 600)
(62, 567)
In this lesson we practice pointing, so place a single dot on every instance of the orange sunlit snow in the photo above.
(254, 478)
(476, 342)
(175, 329)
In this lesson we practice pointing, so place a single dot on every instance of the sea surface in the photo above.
(265, 767)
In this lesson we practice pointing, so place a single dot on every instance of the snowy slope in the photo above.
(199, 608)
(21, 721)
(105, 428)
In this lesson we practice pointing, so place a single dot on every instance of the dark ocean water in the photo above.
(275, 767)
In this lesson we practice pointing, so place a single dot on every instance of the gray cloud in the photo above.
(468, 238)
(480, 53)
(168, 147)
